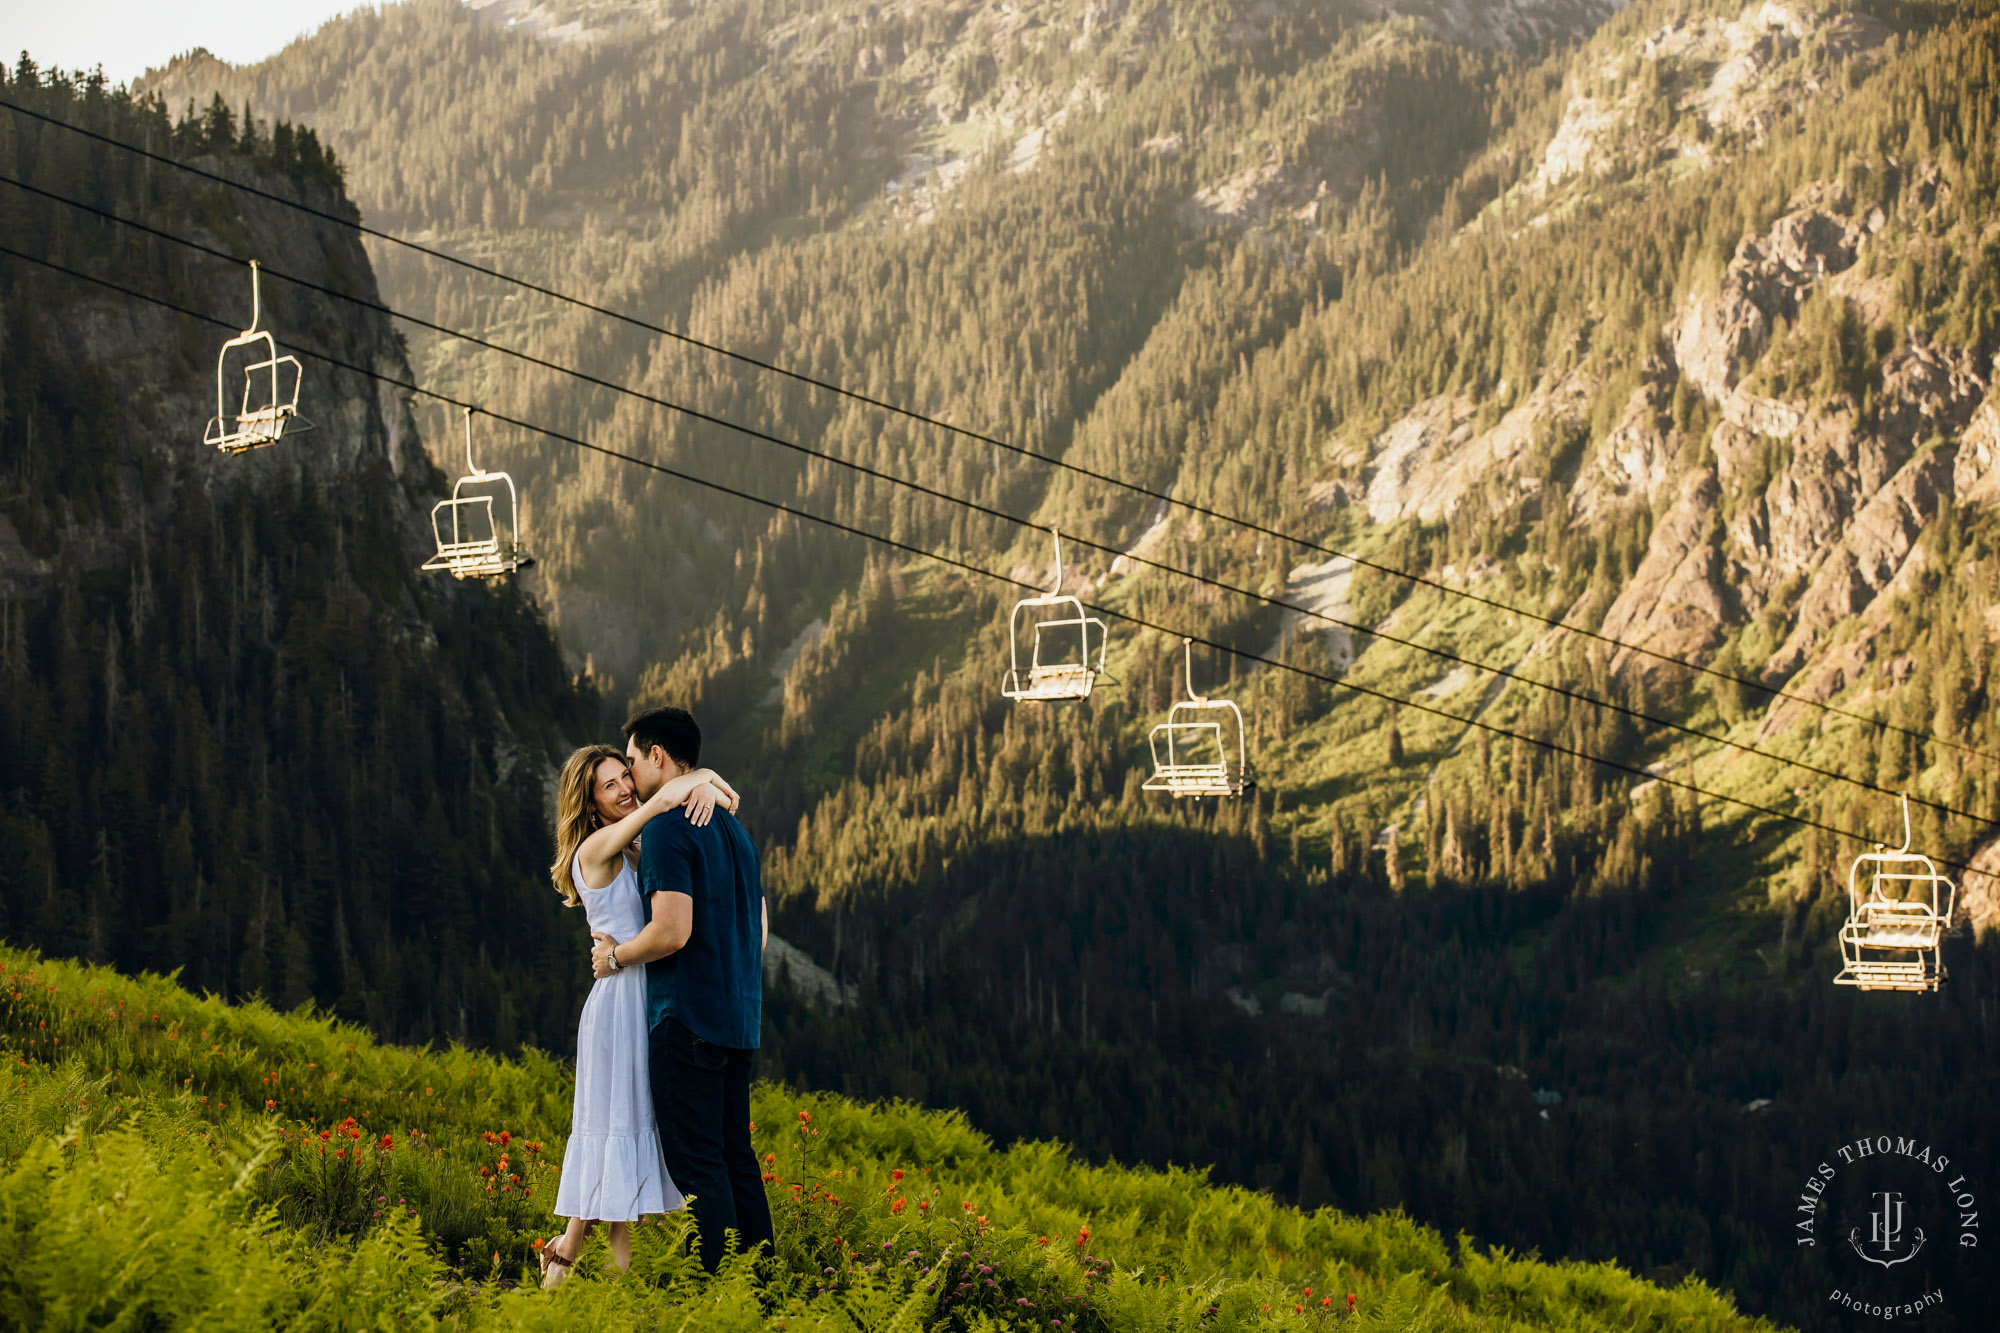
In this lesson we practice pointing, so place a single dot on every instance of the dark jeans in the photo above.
(701, 1097)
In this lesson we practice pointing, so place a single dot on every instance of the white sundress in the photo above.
(613, 1170)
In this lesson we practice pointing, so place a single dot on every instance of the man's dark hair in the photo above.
(672, 729)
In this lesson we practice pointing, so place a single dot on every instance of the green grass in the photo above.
(171, 1161)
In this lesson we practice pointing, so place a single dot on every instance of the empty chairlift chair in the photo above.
(269, 407)
(1899, 906)
(1200, 750)
(474, 539)
(1060, 663)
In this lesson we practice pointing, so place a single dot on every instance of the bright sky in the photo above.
(128, 37)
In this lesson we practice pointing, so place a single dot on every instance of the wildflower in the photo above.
(1041, 1240)
(770, 1158)
(805, 1117)
(897, 1206)
(897, 1174)
(270, 1105)
(1325, 1302)
(1082, 1237)
(924, 1205)
(505, 1138)
(325, 1135)
(1309, 1291)
(1350, 1302)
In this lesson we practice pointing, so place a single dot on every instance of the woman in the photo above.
(612, 1170)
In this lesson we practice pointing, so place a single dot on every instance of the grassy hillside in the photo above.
(174, 1162)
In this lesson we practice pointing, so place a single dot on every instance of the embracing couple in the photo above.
(664, 1046)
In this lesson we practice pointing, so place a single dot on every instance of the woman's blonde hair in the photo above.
(576, 813)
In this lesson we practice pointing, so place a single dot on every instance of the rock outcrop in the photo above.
(1426, 464)
(1826, 498)
(1717, 338)
(1731, 79)
(1672, 604)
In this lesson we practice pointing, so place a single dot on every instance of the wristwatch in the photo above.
(612, 954)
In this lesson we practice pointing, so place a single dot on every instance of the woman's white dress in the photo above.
(613, 1170)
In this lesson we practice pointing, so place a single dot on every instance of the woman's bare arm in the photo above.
(599, 853)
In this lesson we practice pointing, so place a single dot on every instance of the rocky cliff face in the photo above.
(1699, 87)
(359, 425)
(1799, 505)
(1803, 506)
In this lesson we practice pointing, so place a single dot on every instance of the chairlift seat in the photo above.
(1894, 934)
(1885, 974)
(471, 509)
(1196, 728)
(1903, 926)
(1050, 684)
(1079, 669)
(268, 409)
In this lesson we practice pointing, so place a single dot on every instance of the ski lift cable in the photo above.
(966, 432)
(1416, 705)
(1504, 672)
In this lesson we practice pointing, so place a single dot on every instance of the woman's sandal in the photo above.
(554, 1267)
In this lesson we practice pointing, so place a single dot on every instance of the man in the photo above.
(703, 949)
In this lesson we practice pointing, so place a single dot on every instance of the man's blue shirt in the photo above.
(714, 984)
